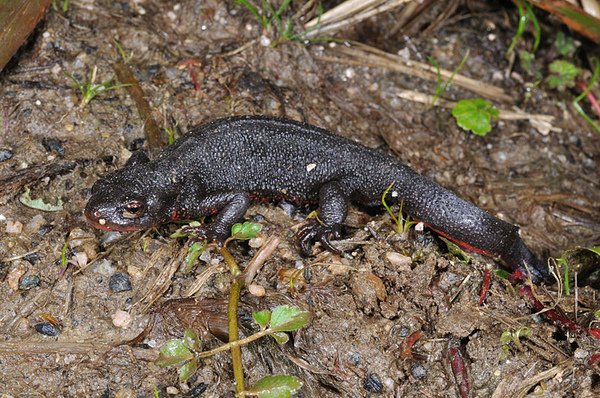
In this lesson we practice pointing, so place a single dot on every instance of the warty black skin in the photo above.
(221, 167)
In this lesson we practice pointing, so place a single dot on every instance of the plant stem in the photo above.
(232, 312)
(236, 351)
(236, 343)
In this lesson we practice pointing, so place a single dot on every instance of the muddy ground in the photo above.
(365, 303)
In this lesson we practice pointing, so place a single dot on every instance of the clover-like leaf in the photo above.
(173, 352)
(285, 318)
(188, 369)
(279, 386)
(191, 340)
(475, 115)
(247, 230)
(262, 318)
(281, 337)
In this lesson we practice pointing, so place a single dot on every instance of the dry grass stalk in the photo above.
(361, 54)
(349, 13)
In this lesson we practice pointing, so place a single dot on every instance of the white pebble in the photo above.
(256, 290)
(13, 227)
(121, 319)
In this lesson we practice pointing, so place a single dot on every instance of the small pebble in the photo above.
(121, 319)
(81, 259)
(14, 276)
(35, 224)
(399, 261)
(581, 354)
(198, 390)
(13, 227)
(46, 328)
(256, 290)
(418, 371)
(119, 282)
(103, 267)
(29, 282)
(172, 390)
(373, 383)
(256, 242)
(5, 154)
(32, 258)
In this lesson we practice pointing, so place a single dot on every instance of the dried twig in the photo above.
(361, 54)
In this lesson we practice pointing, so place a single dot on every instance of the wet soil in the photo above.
(62, 327)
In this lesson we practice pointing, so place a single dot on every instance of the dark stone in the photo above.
(5, 154)
(46, 328)
(53, 145)
(372, 383)
(197, 391)
(29, 282)
(32, 258)
(418, 370)
(119, 282)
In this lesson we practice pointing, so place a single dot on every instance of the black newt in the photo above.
(221, 167)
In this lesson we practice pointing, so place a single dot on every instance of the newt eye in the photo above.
(133, 209)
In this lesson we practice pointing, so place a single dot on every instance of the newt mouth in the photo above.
(99, 222)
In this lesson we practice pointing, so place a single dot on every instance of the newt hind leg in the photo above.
(333, 209)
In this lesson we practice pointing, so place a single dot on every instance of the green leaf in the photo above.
(528, 64)
(247, 230)
(506, 337)
(457, 251)
(594, 249)
(523, 332)
(597, 314)
(565, 45)
(191, 340)
(474, 115)
(280, 386)
(39, 204)
(502, 273)
(180, 232)
(563, 74)
(173, 352)
(188, 369)
(194, 251)
(281, 337)
(286, 318)
(262, 318)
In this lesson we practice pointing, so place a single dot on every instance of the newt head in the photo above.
(130, 199)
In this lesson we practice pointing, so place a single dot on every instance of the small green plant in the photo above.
(562, 74)
(270, 18)
(513, 337)
(565, 45)
(402, 224)
(124, 56)
(585, 92)
(65, 5)
(439, 87)
(475, 115)
(562, 261)
(186, 352)
(172, 133)
(273, 21)
(525, 15)
(90, 89)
